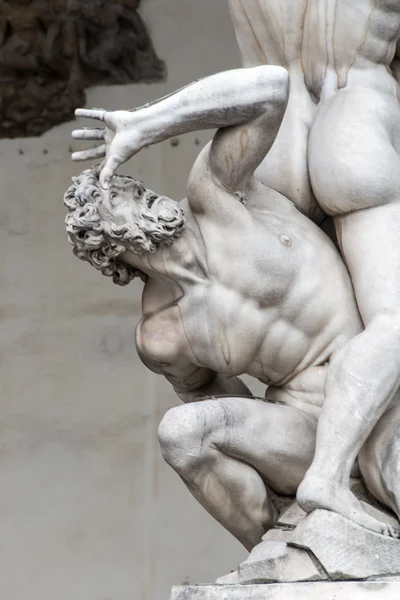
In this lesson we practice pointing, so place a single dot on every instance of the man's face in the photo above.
(123, 201)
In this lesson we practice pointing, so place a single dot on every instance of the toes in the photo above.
(394, 532)
(390, 531)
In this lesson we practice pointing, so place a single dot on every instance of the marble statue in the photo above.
(240, 278)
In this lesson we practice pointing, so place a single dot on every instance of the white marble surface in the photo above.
(292, 591)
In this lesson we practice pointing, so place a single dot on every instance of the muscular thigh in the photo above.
(353, 151)
(277, 440)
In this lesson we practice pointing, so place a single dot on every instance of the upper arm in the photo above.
(234, 154)
(211, 195)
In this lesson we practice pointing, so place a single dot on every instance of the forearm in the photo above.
(221, 100)
(220, 385)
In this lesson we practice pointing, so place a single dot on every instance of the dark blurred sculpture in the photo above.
(51, 51)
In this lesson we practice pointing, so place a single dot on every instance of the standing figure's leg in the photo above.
(379, 459)
(227, 452)
(356, 170)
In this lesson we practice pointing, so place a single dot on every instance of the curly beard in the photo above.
(99, 241)
(150, 230)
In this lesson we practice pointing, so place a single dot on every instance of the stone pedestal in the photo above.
(322, 546)
(371, 590)
(320, 556)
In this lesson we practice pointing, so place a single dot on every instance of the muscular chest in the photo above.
(255, 261)
(226, 317)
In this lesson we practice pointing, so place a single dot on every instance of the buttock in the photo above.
(353, 151)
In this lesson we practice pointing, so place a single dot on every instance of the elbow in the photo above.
(280, 86)
(274, 81)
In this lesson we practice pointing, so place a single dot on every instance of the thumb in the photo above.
(98, 168)
(108, 171)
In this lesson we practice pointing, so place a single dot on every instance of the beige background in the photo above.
(88, 509)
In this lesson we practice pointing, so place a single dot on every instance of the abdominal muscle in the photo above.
(305, 391)
(293, 363)
(286, 369)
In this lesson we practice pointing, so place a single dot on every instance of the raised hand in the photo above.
(121, 138)
(222, 100)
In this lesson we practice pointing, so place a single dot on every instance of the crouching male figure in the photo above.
(237, 280)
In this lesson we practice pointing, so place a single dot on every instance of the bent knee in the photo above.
(181, 435)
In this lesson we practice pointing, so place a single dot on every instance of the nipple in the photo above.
(285, 240)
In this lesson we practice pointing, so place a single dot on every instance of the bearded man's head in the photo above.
(103, 224)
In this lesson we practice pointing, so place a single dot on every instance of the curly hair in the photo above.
(100, 242)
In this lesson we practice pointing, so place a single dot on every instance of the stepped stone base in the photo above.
(371, 590)
(322, 546)
(320, 556)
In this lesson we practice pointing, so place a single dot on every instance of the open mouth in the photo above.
(151, 200)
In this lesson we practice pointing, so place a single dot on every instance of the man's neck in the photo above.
(181, 263)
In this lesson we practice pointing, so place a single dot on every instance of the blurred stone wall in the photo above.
(51, 51)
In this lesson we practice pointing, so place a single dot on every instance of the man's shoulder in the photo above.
(209, 200)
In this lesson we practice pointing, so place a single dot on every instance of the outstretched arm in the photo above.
(226, 99)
